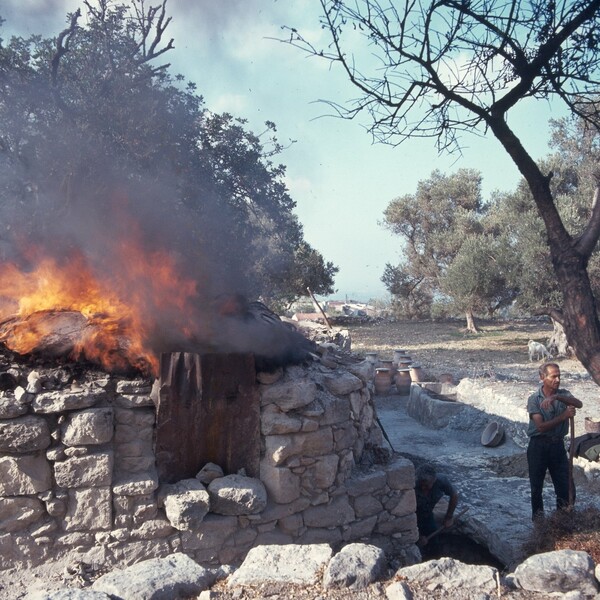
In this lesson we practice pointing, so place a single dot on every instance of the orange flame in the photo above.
(120, 310)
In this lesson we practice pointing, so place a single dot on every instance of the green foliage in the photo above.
(433, 220)
(448, 252)
(93, 126)
(478, 278)
(410, 299)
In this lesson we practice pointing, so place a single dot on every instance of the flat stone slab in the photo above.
(283, 564)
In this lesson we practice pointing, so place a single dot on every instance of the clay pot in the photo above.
(382, 381)
(389, 365)
(416, 372)
(403, 382)
(398, 354)
(492, 435)
(405, 362)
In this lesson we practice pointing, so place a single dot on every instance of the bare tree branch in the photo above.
(62, 47)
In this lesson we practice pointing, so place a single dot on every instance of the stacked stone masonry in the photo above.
(78, 474)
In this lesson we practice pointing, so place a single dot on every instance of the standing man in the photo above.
(429, 489)
(549, 411)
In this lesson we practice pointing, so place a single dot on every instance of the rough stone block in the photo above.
(366, 506)
(337, 410)
(136, 484)
(23, 475)
(18, 513)
(93, 470)
(133, 400)
(401, 474)
(186, 504)
(289, 395)
(89, 509)
(88, 427)
(282, 485)
(211, 535)
(404, 503)
(322, 474)
(237, 495)
(65, 400)
(342, 383)
(345, 436)
(367, 483)
(275, 422)
(24, 434)
(338, 512)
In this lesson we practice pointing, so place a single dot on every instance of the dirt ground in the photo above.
(499, 352)
(445, 347)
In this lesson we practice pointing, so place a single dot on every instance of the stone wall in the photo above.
(78, 475)
(433, 404)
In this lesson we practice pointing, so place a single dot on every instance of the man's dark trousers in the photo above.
(547, 454)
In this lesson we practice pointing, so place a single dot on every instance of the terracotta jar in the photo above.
(389, 365)
(382, 381)
(405, 362)
(398, 354)
(403, 382)
(416, 372)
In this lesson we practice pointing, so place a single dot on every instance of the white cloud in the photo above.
(298, 185)
(232, 103)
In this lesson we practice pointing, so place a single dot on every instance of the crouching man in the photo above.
(549, 411)
(429, 489)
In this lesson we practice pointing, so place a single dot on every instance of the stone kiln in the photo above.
(87, 466)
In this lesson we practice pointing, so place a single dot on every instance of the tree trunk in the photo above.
(581, 323)
(569, 256)
(471, 327)
(558, 344)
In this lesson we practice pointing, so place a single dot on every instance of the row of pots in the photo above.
(400, 371)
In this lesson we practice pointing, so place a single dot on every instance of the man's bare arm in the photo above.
(570, 400)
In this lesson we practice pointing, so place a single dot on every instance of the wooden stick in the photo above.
(440, 529)
(318, 307)
(571, 454)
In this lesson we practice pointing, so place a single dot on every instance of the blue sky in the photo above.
(340, 180)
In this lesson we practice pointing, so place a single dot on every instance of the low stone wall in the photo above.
(425, 406)
(78, 475)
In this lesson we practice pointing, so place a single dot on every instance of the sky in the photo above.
(340, 180)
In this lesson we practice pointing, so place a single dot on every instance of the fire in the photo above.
(110, 313)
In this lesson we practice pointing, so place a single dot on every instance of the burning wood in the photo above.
(70, 334)
(53, 333)
(127, 317)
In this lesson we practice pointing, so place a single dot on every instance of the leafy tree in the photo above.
(478, 279)
(441, 68)
(433, 222)
(93, 127)
(410, 298)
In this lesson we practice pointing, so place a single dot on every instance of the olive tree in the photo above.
(442, 224)
(442, 68)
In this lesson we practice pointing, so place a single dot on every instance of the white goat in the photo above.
(537, 350)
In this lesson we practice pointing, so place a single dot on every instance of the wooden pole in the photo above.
(440, 529)
(571, 455)
(318, 307)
